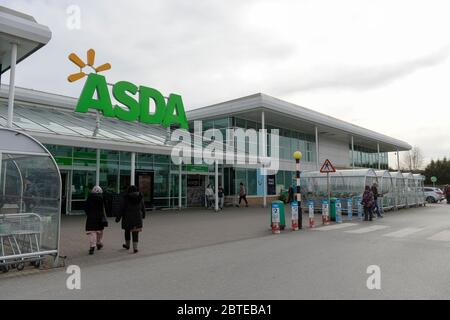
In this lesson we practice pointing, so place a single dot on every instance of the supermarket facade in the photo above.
(96, 150)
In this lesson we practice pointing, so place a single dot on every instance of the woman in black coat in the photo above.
(132, 212)
(96, 220)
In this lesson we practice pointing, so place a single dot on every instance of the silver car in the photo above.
(433, 195)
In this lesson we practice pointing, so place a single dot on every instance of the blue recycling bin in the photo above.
(279, 207)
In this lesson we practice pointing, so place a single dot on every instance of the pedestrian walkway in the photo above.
(367, 229)
(362, 228)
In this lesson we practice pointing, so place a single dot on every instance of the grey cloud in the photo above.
(365, 77)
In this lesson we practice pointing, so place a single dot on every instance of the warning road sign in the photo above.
(327, 167)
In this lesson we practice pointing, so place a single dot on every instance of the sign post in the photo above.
(327, 167)
(433, 179)
(297, 156)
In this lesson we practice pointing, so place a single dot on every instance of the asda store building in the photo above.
(116, 153)
(95, 143)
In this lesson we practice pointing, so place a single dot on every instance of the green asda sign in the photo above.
(134, 102)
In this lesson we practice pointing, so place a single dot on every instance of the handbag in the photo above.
(104, 219)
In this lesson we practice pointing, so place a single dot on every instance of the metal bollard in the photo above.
(360, 209)
(294, 215)
(325, 213)
(311, 213)
(338, 211)
(350, 209)
(275, 218)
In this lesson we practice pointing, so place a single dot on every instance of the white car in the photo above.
(433, 195)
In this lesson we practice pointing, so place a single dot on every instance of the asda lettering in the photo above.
(133, 102)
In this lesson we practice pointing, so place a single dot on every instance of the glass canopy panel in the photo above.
(22, 122)
(44, 118)
(386, 189)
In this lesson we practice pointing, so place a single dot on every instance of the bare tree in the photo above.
(413, 159)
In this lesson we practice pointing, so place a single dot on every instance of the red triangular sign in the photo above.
(327, 167)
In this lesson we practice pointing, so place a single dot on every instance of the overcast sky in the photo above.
(383, 65)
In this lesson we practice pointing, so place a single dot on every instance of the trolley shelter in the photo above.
(410, 189)
(30, 200)
(419, 184)
(386, 189)
(344, 184)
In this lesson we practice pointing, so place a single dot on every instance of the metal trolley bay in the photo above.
(20, 239)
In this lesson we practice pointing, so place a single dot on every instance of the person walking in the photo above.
(96, 220)
(367, 202)
(132, 213)
(447, 193)
(376, 206)
(221, 195)
(290, 194)
(242, 194)
(209, 194)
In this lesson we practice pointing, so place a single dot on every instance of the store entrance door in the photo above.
(144, 182)
(196, 185)
(64, 191)
(82, 183)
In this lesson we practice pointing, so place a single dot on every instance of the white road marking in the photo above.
(367, 229)
(402, 232)
(335, 226)
(441, 236)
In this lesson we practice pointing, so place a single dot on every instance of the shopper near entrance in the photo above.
(221, 196)
(242, 194)
(209, 195)
(132, 213)
(375, 193)
(290, 194)
(367, 202)
(447, 193)
(96, 219)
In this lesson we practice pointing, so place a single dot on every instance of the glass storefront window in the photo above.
(144, 157)
(82, 183)
(125, 156)
(221, 123)
(84, 153)
(109, 155)
(251, 182)
(240, 123)
(109, 172)
(162, 158)
(59, 151)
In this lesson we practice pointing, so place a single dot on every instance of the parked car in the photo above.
(433, 195)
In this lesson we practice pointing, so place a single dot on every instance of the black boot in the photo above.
(99, 246)
(91, 250)
(135, 249)
(126, 245)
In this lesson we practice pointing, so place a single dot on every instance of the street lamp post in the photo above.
(297, 156)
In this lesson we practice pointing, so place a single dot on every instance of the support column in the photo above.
(97, 168)
(1, 167)
(216, 185)
(12, 79)
(317, 148)
(353, 154)
(264, 147)
(379, 160)
(398, 160)
(133, 168)
(180, 178)
(223, 177)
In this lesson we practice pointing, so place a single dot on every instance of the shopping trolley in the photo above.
(20, 240)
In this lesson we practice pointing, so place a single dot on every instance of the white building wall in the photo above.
(338, 152)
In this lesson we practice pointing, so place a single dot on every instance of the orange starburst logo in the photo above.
(90, 63)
